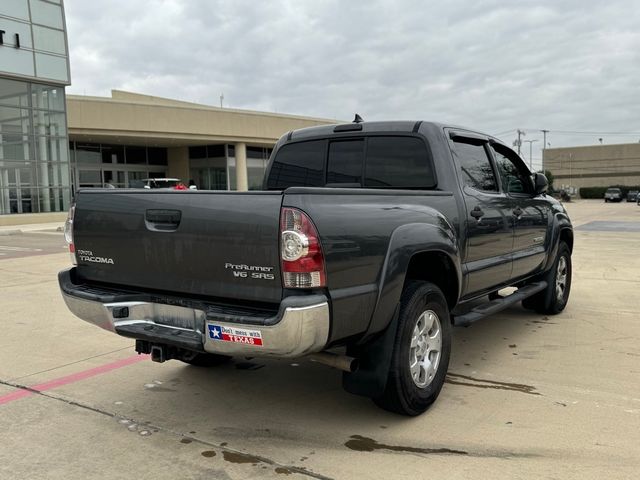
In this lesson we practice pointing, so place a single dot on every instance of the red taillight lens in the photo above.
(300, 251)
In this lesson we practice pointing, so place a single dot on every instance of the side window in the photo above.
(512, 177)
(398, 162)
(298, 165)
(474, 164)
(345, 162)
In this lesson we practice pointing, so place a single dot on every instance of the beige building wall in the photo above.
(594, 166)
(142, 119)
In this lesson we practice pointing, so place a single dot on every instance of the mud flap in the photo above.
(374, 361)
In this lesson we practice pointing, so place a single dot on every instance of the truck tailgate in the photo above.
(214, 244)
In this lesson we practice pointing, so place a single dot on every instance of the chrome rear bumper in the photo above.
(296, 330)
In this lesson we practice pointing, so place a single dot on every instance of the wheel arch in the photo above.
(411, 251)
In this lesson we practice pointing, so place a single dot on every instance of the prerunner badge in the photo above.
(235, 335)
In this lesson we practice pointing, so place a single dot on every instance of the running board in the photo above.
(498, 305)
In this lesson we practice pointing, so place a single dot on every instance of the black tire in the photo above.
(205, 359)
(402, 394)
(550, 301)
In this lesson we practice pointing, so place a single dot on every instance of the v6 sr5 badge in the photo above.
(256, 272)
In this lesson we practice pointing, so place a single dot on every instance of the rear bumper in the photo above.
(300, 327)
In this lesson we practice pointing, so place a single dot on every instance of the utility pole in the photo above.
(544, 146)
(221, 99)
(530, 142)
(518, 142)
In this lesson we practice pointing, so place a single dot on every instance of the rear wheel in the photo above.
(205, 359)
(554, 298)
(421, 351)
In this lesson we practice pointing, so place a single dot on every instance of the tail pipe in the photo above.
(341, 362)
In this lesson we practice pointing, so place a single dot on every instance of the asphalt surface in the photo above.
(526, 396)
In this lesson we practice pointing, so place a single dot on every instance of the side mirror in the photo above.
(540, 183)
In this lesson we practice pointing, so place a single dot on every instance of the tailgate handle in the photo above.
(162, 220)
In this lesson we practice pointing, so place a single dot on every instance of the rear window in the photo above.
(398, 162)
(613, 190)
(391, 162)
(299, 165)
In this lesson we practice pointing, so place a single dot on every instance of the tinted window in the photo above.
(512, 178)
(475, 166)
(298, 164)
(345, 162)
(399, 162)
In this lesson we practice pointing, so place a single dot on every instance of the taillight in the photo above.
(300, 251)
(68, 233)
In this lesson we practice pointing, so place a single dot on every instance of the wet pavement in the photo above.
(527, 395)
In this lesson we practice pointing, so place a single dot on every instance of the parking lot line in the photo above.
(74, 377)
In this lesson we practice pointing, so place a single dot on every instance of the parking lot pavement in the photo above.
(527, 395)
(29, 243)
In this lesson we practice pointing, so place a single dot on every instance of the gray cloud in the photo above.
(492, 65)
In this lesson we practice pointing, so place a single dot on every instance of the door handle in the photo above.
(477, 213)
(517, 211)
(162, 220)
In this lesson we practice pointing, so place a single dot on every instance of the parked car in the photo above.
(370, 242)
(157, 183)
(632, 195)
(613, 195)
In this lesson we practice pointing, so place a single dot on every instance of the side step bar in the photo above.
(499, 304)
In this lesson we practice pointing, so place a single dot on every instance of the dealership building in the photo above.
(34, 69)
(52, 145)
(593, 166)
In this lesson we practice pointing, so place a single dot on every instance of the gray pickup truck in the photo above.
(367, 243)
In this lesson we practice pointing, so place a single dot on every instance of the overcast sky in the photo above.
(564, 66)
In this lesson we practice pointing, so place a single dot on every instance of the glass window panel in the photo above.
(231, 150)
(54, 199)
(48, 97)
(476, 171)
(15, 8)
(49, 40)
(157, 156)
(51, 149)
(51, 66)
(198, 152)
(135, 179)
(112, 154)
(255, 152)
(345, 162)
(14, 120)
(513, 179)
(14, 93)
(46, 14)
(49, 123)
(89, 178)
(297, 164)
(398, 162)
(215, 151)
(87, 153)
(16, 60)
(16, 147)
(11, 28)
(136, 155)
(53, 175)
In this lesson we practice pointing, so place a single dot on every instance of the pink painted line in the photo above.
(74, 377)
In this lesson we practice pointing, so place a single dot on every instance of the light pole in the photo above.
(530, 142)
(544, 146)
